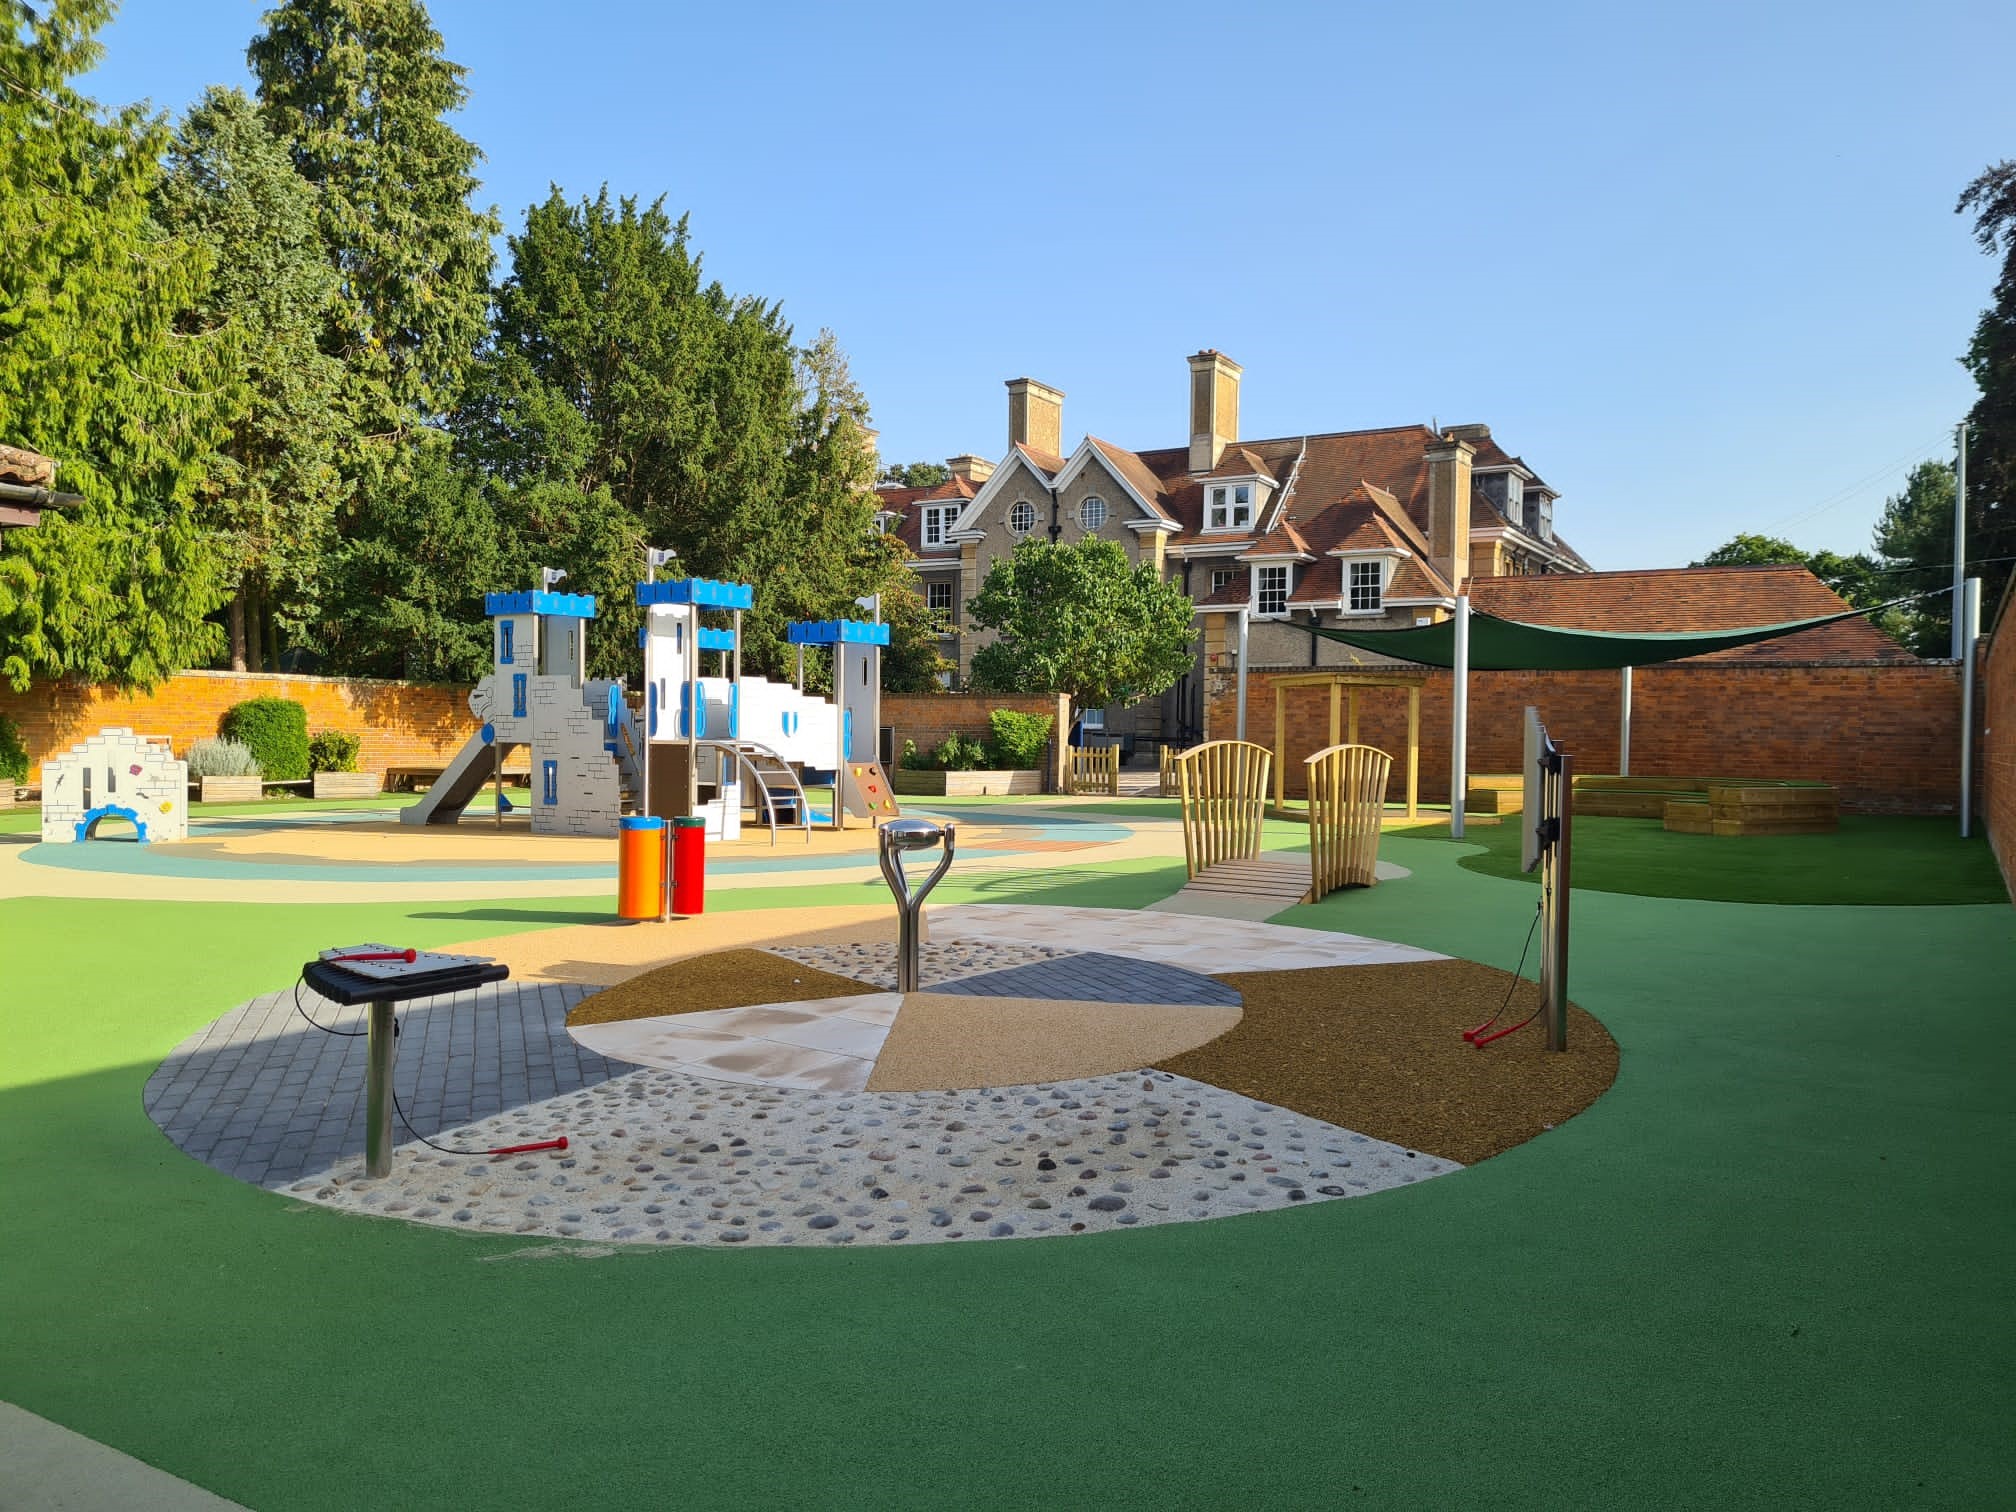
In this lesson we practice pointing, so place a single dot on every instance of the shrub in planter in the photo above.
(912, 759)
(276, 730)
(334, 751)
(221, 758)
(1017, 742)
(13, 754)
(958, 754)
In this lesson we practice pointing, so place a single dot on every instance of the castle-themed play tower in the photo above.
(706, 740)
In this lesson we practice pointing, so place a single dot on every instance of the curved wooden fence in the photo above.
(1347, 799)
(1223, 788)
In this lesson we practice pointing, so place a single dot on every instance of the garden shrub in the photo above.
(276, 730)
(334, 751)
(1018, 742)
(13, 754)
(221, 758)
(914, 760)
(959, 754)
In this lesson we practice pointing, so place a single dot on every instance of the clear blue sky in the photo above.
(1696, 263)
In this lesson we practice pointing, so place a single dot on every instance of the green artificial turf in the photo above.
(1870, 860)
(1768, 1269)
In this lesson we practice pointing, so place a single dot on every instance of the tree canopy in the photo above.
(1991, 358)
(1080, 620)
(97, 370)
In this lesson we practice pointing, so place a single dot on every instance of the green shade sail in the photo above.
(1502, 645)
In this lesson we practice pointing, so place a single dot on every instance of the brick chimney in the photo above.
(974, 470)
(1036, 416)
(1449, 505)
(1214, 408)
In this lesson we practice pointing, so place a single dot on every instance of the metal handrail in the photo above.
(742, 751)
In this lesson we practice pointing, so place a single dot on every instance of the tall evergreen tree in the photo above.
(274, 487)
(94, 372)
(1915, 539)
(358, 90)
(616, 377)
(1991, 358)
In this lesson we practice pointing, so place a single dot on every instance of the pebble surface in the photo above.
(661, 1157)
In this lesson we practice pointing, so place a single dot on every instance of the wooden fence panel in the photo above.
(1347, 799)
(1092, 769)
(1223, 787)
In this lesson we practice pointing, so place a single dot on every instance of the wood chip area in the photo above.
(1380, 1050)
(725, 979)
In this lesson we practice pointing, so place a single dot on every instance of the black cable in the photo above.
(300, 982)
(1517, 978)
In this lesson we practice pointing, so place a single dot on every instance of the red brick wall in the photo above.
(929, 718)
(401, 724)
(1998, 742)
(1887, 735)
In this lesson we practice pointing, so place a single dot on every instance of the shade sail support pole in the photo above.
(1459, 720)
(1968, 622)
(1624, 724)
(1242, 675)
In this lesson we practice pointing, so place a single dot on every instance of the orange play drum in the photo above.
(640, 867)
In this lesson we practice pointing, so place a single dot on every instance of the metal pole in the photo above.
(1242, 675)
(497, 779)
(692, 712)
(1968, 623)
(378, 1092)
(1459, 718)
(1557, 877)
(1624, 730)
(1959, 536)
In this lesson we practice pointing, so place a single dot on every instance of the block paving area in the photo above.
(264, 1097)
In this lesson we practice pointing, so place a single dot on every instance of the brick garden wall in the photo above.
(929, 718)
(1887, 735)
(400, 724)
(1998, 741)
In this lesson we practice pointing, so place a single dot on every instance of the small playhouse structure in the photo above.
(700, 746)
(116, 775)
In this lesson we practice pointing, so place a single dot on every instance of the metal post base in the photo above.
(378, 1092)
(893, 839)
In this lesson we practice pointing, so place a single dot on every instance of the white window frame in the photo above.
(1014, 511)
(1229, 507)
(1352, 586)
(938, 520)
(1261, 593)
(1221, 578)
(1090, 526)
(931, 591)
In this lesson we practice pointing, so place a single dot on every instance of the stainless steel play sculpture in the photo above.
(894, 838)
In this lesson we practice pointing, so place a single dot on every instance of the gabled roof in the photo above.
(1693, 598)
(907, 504)
(1240, 462)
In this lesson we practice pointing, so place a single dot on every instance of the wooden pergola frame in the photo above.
(1344, 687)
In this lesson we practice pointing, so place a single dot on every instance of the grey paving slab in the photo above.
(1094, 977)
(263, 1096)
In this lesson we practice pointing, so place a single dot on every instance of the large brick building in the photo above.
(1370, 527)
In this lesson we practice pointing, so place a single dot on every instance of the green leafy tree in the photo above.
(273, 488)
(617, 380)
(358, 92)
(912, 663)
(94, 371)
(1079, 620)
(1915, 540)
(405, 588)
(916, 474)
(1991, 358)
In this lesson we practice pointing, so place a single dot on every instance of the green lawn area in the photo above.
(1767, 1269)
(1870, 860)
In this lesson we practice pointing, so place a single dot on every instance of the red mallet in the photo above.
(408, 956)
(526, 1149)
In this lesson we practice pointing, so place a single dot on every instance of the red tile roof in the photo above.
(905, 502)
(1693, 598)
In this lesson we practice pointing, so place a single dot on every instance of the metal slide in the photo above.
(452, 791)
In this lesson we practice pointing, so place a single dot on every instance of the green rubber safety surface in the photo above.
(1767, 1269)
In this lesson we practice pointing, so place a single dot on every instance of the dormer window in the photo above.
(938, 520)
(1270, 593)
(1363, 585)
(1231, 507)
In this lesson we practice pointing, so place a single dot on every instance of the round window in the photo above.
(1092, 513)
(1022, 518)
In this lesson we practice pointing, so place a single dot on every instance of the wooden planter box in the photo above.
(346, 785)
(232, 790)
(966, 784)
(6, 792)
